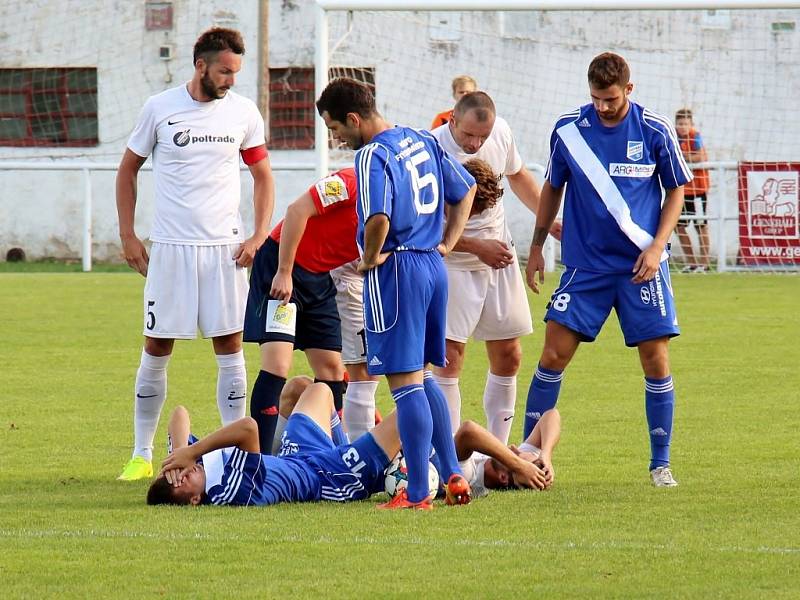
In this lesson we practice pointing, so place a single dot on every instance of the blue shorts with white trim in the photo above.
(584, 299)
(405, 308)
(346, 472)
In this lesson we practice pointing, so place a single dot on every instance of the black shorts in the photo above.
(318, 325)
(690, 205)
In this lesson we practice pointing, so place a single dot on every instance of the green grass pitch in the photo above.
(732, 529)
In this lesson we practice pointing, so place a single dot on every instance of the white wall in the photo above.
(739, 80)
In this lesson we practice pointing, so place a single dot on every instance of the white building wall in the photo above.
(740, 80)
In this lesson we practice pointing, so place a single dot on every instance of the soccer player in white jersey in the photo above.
(488, 464)
(616, 157)
(197, 269)
(491, 304)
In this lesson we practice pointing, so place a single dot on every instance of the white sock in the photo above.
(280, 427)
(451, 392)
(231, 387)
(150, 393)
(359, 408)
(499, 398)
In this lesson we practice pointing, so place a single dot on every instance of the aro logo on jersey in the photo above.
(635, 150)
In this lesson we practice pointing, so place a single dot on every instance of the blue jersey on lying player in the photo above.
(404, 174)
(310, 468)
(613, 201)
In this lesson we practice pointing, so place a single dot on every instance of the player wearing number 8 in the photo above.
(404, 181)
(616, 156)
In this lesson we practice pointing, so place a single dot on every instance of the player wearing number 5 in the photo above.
(196, 272)
(616, 156)
(404, 182)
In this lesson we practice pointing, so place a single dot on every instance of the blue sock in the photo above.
(442, 437)
(542, 396)
(659, 404)
(416, 426)
(337, 431)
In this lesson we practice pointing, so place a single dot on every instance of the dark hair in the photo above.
(161, 492)
(489, 190)
(608, 69)
(480, 102)
(684, 113)
(217, 39)
(344, 95)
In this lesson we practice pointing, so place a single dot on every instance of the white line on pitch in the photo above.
(294, 539)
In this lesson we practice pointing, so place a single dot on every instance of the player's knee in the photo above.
(507, 360)
(291, 392)
(654, 357)
(464, 431)
(454, 351)
(358, 372)
(553, 358)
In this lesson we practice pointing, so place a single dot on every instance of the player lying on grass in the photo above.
(486, 461)
(227, 468)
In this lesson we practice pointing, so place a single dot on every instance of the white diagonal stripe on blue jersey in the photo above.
(604, 186)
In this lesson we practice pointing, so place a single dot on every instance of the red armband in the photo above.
(251, 156)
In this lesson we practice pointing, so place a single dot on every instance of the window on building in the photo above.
(291, 103)
(48, 107)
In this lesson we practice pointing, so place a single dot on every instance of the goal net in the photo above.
(734, 69)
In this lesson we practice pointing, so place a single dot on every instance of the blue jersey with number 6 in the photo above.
(404, 174)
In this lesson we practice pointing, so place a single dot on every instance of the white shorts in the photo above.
(350, 302)
(489, 304)
(191, 287)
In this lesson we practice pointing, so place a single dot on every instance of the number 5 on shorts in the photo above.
(151, 317)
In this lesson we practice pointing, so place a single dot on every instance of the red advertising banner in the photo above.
(769, 213)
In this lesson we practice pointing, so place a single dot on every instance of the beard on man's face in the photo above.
(210, 89)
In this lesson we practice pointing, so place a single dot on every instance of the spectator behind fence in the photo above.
(695, 202)
(462, 85)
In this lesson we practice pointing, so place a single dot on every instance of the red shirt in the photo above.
(329, 240)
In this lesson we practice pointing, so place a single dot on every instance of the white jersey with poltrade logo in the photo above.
(195, 148)
(500, 152)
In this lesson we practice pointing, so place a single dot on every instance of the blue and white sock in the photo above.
(659, 403)
(442, 436)
(542, 396)
(337, 431)
(416, 427)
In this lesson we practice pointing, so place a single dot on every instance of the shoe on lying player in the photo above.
(457, 490)
(662, 477)
(401, 500)
(137, 468)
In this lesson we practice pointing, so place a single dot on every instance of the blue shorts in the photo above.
(346, 472)
(318, 324)
(646, 311)
(405, 307)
